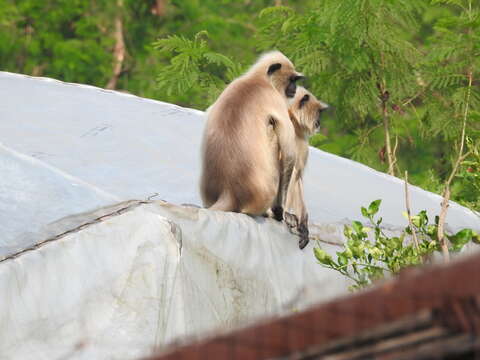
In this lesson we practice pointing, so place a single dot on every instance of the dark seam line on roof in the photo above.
(78, 228)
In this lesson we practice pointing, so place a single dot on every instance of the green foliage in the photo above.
(225, 31)
(348, 49)
(193, 67)
(469, 176)
(454, 52)
(36, 35)
(369, 254)
(355, 53)
(74, 40)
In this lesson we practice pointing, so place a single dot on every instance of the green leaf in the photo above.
(200, 34)
(342, 259)
(218, 59)
(374, 206)
(275, 11)
(357, 251)
(357, 226)
(423, 218)
(347, 231)
(432, 230)
(376, 253)
(416, 221)
(461, 238)
(364, 212)
(322, 256)
(476, 238)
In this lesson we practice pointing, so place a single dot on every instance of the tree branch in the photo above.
(384, 95)
(446, 191)
(160, 8)
(409, 213)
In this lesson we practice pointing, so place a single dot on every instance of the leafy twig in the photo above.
(409, 212)
(365, 258)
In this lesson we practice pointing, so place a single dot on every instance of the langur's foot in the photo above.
(304, 240)
(291, 220)
(277, 213)
(304, 235)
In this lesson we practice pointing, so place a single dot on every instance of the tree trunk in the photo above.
(119, 50)
(388, 144)
(160, 7)
(460, 158)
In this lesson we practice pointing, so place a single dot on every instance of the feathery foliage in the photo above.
(357, 56)
(193, 67)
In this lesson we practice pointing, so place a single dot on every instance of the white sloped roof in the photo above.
(114, 282)
(68, 148)
(136, 276)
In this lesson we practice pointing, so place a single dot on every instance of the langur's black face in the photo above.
(284, 78)
(317, 122)
(291, 88)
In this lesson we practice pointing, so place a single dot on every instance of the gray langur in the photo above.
(241, 169)
(304, 111)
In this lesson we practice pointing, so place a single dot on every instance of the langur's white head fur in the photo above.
(305, 111)
(280, 71)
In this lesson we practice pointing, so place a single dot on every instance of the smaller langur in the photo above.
(304, 111)
(241, 167)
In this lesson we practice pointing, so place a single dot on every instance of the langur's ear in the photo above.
(304, 99)
(274, 67)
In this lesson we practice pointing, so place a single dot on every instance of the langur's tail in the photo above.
(224, 203)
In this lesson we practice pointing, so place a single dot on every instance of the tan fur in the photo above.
(304, 118)
(241, 168)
